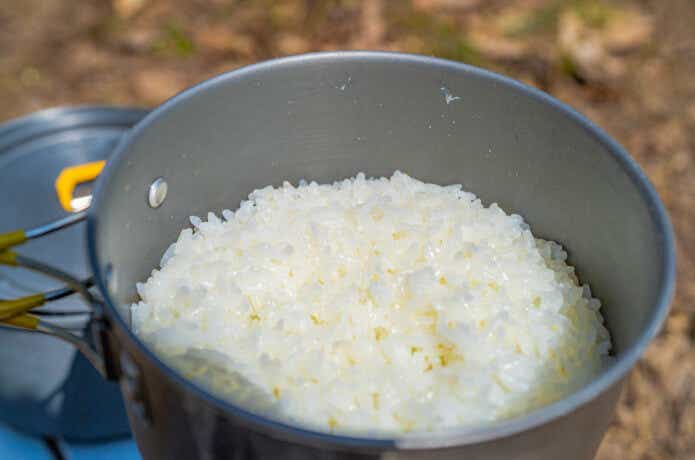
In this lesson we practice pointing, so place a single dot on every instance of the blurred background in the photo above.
(629, 65)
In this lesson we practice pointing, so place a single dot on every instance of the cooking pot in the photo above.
(328, 116)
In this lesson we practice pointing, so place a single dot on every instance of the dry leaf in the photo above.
(128, 8)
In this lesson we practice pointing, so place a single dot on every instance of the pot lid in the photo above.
(41, 398)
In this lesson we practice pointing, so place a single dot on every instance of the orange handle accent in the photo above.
(8, 257)
(14, 307)
(7, 240)
(25, 321)
(71, 177)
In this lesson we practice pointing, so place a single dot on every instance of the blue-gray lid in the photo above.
(46, 388)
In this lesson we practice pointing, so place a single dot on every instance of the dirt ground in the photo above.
(628, 65)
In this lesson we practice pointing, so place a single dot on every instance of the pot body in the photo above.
(326, 117)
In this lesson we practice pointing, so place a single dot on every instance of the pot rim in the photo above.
(445, 438)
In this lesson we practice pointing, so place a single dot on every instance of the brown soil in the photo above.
(627, 64)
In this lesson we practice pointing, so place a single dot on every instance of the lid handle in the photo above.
(70, 177)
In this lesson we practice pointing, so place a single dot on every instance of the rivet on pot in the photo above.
(157, 193)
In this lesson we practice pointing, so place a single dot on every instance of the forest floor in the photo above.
(629, 65)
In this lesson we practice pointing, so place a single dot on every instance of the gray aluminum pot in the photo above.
(329, 116)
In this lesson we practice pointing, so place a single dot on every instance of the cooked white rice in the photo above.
(374, 305)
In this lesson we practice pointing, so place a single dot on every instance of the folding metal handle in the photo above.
(14, 307)
(17, 237)
(19, 312)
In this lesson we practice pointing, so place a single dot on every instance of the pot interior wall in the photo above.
(328, 118)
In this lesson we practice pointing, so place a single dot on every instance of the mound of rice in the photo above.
(374, 305)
